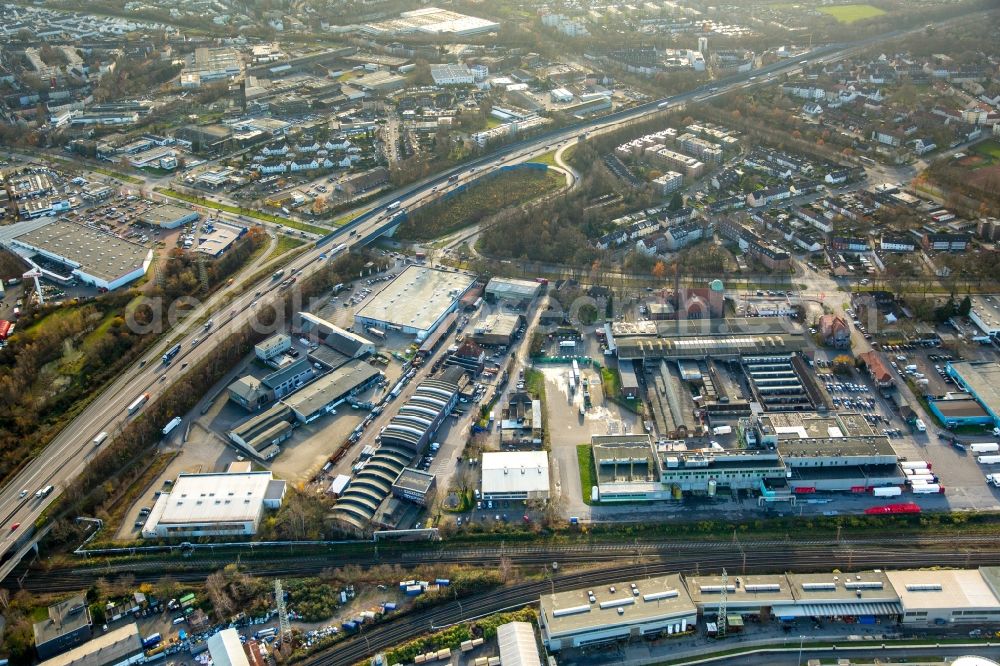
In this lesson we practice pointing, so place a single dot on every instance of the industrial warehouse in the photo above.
(415, 302)
(226, 504)
(784, 455)
(674, 604)
(64, 251)
(702, 338)
(406, 436)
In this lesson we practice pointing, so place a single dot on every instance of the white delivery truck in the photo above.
(174, 422)
(722, 430)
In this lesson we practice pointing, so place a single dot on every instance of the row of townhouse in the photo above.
(753, 245)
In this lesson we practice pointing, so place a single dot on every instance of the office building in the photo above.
(214, 504)
(66, 626)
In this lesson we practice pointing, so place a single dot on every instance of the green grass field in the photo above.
(588, 473)
(988, 149)
(852, 13)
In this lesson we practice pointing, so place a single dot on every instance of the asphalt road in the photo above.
(70, 451)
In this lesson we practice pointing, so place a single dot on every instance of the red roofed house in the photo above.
(835, 331)
(877, 368)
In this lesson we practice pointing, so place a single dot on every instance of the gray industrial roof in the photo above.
(169, 215)
(417, 298)
(95, 252)
(330, 388)
(112, 647)
(572, 612)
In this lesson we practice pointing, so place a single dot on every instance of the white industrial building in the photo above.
(577, 618)
(452, 75)
(227, 649)
(947, 596)
(560, 96)
(985, 314)
(515, 475)
(64, 251)
(415, 302)
(517, 644)
(214, 504)
(432, 21)
(275, 345)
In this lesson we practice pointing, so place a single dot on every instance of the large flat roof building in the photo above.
(432, 21)
(985, 314)
(214, 504)
(703, 338)
(602, 614)
(950, 596)
(118, 647)
(515, 475)
(982, 381)
(169, 216)
(63, 250)
(415, 302)
(322, 395)
(510, 289)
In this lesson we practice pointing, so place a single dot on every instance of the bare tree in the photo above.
(505, 568)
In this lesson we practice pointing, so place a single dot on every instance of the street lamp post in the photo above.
(801, 639)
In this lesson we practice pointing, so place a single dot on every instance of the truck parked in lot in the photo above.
(988, 460)
(889, 491)
(174, 422)
(722, 430)
(985, 447)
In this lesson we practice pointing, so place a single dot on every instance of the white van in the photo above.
(100, 439)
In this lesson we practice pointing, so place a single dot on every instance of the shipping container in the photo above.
(988, 460)
(389, 606)
(442, 581)
(891, 491)
(151, 640)
(413, 590)
(985, 447)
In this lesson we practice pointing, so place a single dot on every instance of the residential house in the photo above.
(834, 331)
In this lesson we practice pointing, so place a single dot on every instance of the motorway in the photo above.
(69, 452)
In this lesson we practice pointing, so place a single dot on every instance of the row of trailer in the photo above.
(920, 478)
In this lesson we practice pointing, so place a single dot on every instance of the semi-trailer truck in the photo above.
(985, 447)
(174, 422)
(138, 403)
(171, 353)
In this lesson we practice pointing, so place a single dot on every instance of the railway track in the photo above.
(409, 626)
(668, 552)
